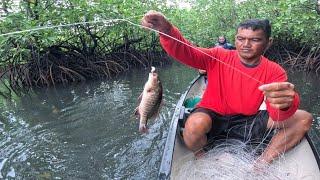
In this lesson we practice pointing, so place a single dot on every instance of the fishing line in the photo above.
(68, 25)
(114, 21)
(245, 74)
(56, 26)
(134, 24)
(241, 72)
(236, 69)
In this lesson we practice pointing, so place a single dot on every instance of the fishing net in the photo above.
(230, 161)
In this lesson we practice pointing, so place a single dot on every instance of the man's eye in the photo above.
(255, 40)
(240, 38)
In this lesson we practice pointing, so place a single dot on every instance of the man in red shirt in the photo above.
(238, 82)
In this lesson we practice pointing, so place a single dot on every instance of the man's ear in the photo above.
(269, 43)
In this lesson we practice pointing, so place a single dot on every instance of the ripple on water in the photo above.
(86, 131)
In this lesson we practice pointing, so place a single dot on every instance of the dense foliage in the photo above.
(295, 21)
(89, 41)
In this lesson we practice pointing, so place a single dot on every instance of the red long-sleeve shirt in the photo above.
(232, 86)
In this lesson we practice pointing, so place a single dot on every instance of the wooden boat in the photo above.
(302, 159)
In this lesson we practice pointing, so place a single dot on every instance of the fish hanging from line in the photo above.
(150, 100)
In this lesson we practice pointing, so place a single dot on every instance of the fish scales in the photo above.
(150, 100)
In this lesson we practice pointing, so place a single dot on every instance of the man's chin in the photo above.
(246, 56)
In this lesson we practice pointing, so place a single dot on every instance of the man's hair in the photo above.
(256, 24)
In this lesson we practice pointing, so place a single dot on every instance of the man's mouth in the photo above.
(245, 50)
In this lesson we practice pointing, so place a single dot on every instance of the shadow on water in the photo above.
(86, 131)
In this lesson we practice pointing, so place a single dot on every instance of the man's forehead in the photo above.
(250, 32)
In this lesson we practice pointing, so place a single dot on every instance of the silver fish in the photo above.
(150, 100)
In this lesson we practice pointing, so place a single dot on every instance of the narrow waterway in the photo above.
(87, 131)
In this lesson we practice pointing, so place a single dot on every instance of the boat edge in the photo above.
(166, 162)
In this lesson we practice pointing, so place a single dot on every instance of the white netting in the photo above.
(229, 162)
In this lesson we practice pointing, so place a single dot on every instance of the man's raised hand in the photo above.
(156, 20)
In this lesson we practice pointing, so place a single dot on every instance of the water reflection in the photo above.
(86, 131)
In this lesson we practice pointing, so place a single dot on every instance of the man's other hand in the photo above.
(280, 95)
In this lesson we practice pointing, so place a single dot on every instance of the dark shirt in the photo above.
(225, 45)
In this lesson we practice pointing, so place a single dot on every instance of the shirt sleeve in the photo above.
(278, 114)
(281, 115)
(183, 51)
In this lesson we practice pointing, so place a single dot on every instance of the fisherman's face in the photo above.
(251, 44)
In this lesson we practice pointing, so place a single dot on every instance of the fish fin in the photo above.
(136, 112)
(139, 98)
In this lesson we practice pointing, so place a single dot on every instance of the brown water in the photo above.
(86, 131)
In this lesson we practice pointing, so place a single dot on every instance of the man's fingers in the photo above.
(146, 23)
(151, 20)
(276, 94)
(280, 106)
(280, 100)
(276, 86)
(153, 16)
(279, 94)
(157, 21)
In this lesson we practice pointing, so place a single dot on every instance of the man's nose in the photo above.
(247, 43)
